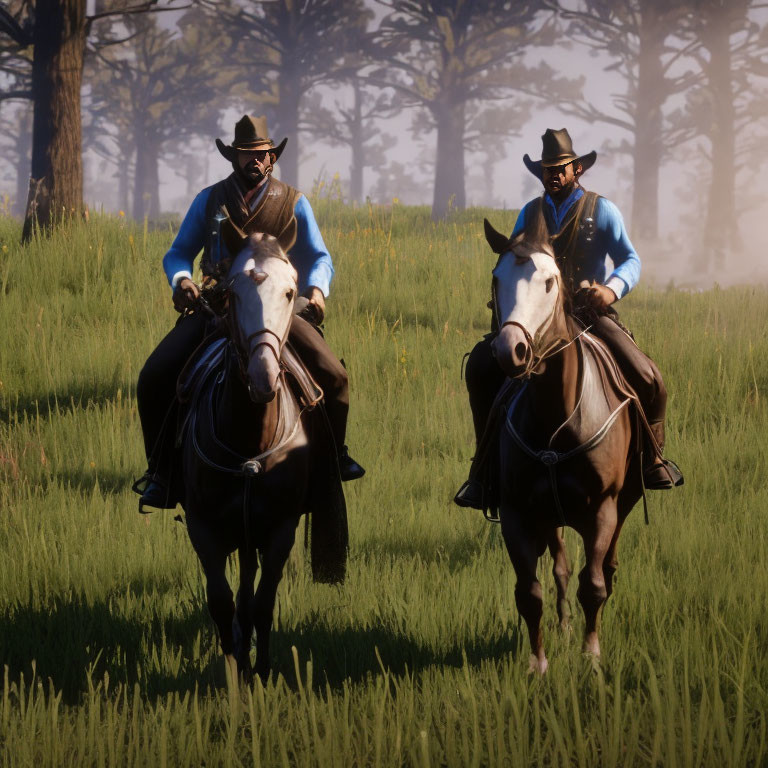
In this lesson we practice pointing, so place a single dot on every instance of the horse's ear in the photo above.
(498, 242)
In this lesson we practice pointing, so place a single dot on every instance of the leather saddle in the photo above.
(208, 360)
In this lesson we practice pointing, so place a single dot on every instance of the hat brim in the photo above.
(536, 166)
(230, 152)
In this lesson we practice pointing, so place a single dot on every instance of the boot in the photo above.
(662, 474)
(348, 467)
(154, 494)
(471, 494)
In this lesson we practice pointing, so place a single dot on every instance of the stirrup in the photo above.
(663, 477)
(471, 495)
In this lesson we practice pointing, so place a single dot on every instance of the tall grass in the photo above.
(419, 659)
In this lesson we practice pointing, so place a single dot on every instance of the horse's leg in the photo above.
(248, 567)
(273, 559)
(561, 573)
(592, 591)
(611, 562)
(524, 554)
(222, 609)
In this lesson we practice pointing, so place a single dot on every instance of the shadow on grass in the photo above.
(69, 638)
(72, 398)
(72, 640)
(349, 653)
(109, 481)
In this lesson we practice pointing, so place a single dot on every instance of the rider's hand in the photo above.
(600, 297)
(185, 295)
(316, 301)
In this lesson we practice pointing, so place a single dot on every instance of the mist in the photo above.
(679, 128)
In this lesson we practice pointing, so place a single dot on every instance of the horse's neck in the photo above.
(554, 393)
(251, 426)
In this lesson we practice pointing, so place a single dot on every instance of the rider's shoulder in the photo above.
(608, 211)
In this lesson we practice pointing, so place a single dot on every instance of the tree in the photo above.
(728, 108)
(287, 49)
(57, 30)
(354, 126)
(158, 91)
(638, 36)
(448, 57)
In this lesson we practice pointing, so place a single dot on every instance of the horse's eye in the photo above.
(548, 285)
(289, 294)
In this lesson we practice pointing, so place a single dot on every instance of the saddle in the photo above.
(208, 360)
(601, 380)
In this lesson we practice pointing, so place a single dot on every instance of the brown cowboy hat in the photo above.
(557, 149)
(250, 134)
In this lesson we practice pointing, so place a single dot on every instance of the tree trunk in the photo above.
(721, 232)
(449, 160)
(56, 187)
(152, 179)
(357, 166)
(648, 149)
(288, 122)
(123, 184)
(22, 162)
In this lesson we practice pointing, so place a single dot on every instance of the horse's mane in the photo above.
(524, 247)
(266, 245)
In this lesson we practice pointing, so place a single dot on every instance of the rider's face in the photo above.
(253, 164)
(560, 179)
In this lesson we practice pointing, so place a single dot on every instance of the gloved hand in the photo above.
(185, 294)
(600, 297)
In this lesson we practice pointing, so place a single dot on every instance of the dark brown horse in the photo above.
(246, 459)
(568, 445)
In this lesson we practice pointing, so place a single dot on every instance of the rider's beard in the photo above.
(251, 176)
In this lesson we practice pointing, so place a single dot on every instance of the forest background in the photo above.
(416, 101)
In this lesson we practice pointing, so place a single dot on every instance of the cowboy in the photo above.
(583, 228)
(252, 200)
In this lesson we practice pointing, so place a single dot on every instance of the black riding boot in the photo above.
(660, 474)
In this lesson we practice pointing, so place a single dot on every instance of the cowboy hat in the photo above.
(557, 150)
(251, 134)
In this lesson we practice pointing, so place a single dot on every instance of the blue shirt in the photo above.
(611, 239)
(308, 255)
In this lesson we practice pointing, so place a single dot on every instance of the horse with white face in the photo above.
(568, 445)
(250, 456)
(262, 291)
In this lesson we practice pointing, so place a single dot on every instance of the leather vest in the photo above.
(273, 215)
(574, 239)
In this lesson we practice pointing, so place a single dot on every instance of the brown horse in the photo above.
(568, 447)
(247, 462)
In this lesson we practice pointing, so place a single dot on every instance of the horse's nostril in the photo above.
(520, 350)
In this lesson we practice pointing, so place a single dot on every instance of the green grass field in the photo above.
(110, 658)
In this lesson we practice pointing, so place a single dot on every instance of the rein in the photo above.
(551, 458)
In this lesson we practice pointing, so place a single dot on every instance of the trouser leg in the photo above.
(156, 387)
(484, 379)
(645, 378)
(640, 371)
(327, 371)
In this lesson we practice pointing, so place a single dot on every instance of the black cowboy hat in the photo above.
(250, 134)
(557, 150)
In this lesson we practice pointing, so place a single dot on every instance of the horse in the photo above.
(246, 458)
(569, 447)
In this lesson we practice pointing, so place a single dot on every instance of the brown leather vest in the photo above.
(574, 238)
(273, 215)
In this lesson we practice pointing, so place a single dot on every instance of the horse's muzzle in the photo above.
(512, 350)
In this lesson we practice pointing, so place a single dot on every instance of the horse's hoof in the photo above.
(537, 666)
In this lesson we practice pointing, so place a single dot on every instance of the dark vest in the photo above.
(274, 215)
(574, 239)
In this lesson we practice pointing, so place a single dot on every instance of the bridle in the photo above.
(244, 346)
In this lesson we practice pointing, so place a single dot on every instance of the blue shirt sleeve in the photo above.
(309, 254)
(616, 242)
(520, 222)
(189, 240)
